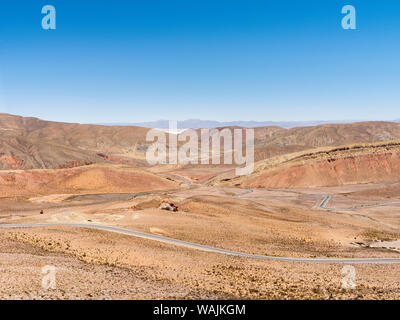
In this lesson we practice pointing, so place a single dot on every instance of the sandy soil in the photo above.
(94, 264)
(98, 265)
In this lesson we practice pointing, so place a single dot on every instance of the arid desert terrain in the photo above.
(82, 198)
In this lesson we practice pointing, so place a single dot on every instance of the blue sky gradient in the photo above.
(132, 61)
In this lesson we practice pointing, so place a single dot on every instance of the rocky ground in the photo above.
(102, 266)
(92, 264)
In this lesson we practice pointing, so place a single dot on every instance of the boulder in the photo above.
(166, 205)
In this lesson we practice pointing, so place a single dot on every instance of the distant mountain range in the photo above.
(197, 124)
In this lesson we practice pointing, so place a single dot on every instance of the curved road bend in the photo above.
(187, 181)
(183, 179)
(201, 247)
(322, 205)
(326, 198)
(244, 193)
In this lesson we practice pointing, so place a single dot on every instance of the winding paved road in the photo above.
(328, 197)
(192, 245)
(201, 247)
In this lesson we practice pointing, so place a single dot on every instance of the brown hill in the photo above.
(349, 164)
(274, 141)
(31, 143)
(88, 179)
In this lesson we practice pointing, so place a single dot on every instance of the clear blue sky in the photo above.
(130, 61)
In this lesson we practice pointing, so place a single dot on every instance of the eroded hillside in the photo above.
(31, 143)
(350, 164)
